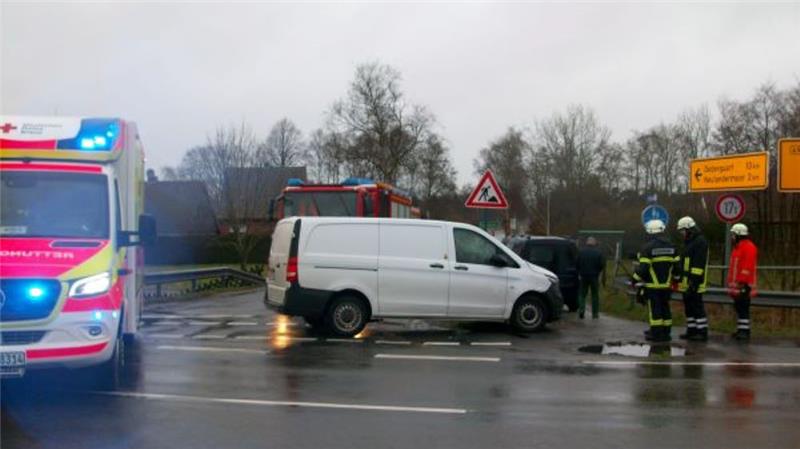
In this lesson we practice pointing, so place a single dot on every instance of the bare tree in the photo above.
(374, 130)
(434, 173)
(572, 144)
(284, 147)
(224, 163)
(507, 158)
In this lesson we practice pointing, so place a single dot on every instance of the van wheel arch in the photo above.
(353, 293)
(347, 313)
(536, 299)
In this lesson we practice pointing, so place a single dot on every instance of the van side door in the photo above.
(413, 279)
(478, 289)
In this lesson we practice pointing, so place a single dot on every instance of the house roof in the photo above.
(180, 208)
(250, 189)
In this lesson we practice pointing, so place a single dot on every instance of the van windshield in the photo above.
(320, 204)
(53, 204)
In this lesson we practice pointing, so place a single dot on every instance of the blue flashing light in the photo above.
(295, 182)
(35, 293)
(95, 134)
(357, 181)
(98, 315)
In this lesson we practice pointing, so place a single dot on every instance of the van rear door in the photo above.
(279, 253)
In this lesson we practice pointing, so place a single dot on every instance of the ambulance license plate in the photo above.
(12, 363)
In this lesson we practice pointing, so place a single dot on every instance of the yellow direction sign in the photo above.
(789, 165)
(749, 171)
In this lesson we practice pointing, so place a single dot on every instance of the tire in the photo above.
(346, 316)
(109, 375)
(529, 314)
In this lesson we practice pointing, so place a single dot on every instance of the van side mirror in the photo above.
(147, 230)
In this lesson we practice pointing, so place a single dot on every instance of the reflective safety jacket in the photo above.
(742, 266)
(658, 260)
(693, 266)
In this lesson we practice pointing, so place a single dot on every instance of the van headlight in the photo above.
(90, 286)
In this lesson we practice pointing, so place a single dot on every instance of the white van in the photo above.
(341, 272)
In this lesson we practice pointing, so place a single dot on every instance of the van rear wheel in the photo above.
(347, 316)
(529, 315)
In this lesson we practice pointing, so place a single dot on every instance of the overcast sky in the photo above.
(182, 69)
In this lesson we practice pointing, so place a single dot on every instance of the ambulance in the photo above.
(72, 229)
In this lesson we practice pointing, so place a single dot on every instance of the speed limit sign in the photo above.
(730, 208)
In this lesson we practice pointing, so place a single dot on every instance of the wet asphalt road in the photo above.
(222, 372)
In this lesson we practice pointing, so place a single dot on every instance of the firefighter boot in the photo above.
(742, 335)
(699, 335)
(661, 334)
(690, 332)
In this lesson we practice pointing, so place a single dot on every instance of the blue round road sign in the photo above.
(655, 212)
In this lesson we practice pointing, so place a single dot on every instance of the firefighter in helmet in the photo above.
(742, 278)
(658, 259)
(692, 276)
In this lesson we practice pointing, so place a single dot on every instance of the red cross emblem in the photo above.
(7, 128)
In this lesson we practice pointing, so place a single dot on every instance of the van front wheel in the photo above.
(347, 316)
(529, 314)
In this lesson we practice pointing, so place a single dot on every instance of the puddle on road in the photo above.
(635, 350)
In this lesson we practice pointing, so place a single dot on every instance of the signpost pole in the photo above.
(727, 253)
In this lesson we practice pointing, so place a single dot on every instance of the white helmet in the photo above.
(739, 229)
(686, 223)
(654, 227)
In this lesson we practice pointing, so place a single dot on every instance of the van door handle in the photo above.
(436, 265)
(461, 267)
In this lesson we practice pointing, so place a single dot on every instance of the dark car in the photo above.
(556, 254)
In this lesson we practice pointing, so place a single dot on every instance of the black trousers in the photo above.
(695, 311)
(742, 306)
(658, 305)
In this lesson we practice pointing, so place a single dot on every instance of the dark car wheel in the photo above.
(347, 316)
(529, 315)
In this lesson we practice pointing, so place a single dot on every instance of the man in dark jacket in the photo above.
(693, 278)
(591, 264)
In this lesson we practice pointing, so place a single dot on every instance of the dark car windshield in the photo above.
(53, 204)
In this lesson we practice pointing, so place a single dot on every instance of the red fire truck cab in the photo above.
(354, 197)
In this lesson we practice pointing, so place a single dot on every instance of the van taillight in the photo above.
(291, 270)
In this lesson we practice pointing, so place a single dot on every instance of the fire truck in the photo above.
(353, 197)
(71, 234)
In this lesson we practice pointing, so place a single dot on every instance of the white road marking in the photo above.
(273, 323)
(644, 362)
(250, 337)
(441, 343)
(243, 323)
(302, 338)
(436, 357)
(208, 337)
(267, 403)
(210, 349)
(203, 323)
(392, 342)
(491, 343)
(167, 323)
(165, 336)
(344, 340)
(150, 316)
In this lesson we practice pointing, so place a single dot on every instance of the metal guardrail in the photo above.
(719, 295)
(224, 275)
